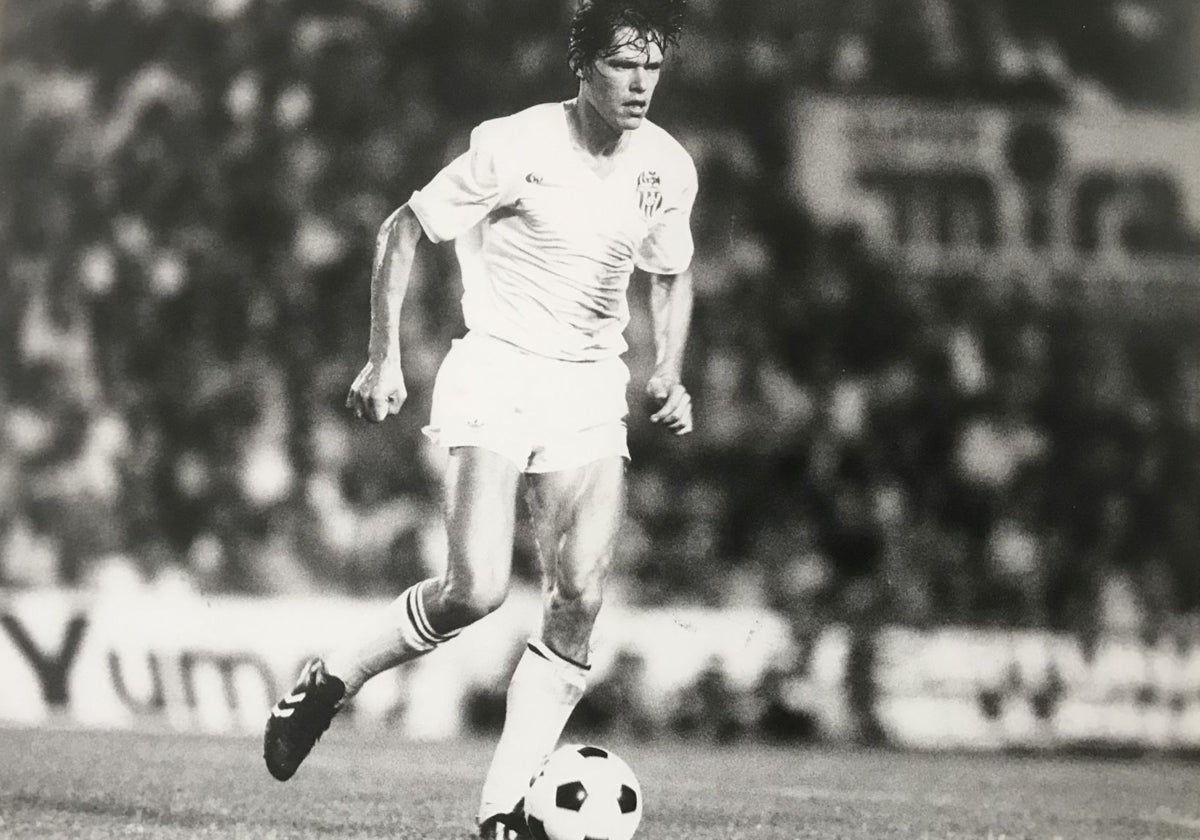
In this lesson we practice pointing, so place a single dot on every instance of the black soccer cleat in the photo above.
(300, 718)
(510, 826)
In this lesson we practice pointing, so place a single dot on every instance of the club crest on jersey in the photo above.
(649, 188)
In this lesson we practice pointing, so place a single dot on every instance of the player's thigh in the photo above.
(480, 501)
(577, 515)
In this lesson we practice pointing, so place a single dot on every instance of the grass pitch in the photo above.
(72, 784)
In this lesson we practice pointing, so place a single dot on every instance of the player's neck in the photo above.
(591, 133)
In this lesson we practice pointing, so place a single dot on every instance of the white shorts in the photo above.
(542, 414)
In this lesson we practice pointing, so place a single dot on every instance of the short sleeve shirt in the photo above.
(546, 245)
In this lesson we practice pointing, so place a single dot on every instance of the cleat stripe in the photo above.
(278, 712)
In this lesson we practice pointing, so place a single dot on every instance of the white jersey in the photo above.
(547, 246)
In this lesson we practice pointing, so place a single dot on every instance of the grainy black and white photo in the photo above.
(600, 419)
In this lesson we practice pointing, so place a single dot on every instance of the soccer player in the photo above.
(551, 210)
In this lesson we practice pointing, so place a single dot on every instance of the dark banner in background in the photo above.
(1093, 198)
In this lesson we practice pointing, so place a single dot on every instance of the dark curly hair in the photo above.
(597, 21)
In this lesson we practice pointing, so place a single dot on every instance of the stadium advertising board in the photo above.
(180, 662)
(185, 662)
(965, 689)
(1101, 199)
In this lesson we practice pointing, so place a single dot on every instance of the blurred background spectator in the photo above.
(191, 190)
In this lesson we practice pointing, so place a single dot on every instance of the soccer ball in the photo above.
(583, 793)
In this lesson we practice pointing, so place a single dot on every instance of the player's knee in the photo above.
(467, 601)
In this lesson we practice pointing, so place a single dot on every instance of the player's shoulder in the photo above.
(517, 140)
(659, 143)
(534, 119)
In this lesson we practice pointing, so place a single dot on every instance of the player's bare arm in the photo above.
(378, 391)
(671, 297)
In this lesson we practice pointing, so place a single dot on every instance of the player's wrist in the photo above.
(383, 354)
(666, 378)
(382, 364)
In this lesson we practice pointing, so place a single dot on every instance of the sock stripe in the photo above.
(423, 617)
(546, 652)
(416, 623)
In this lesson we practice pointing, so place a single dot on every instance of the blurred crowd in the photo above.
(191, 190)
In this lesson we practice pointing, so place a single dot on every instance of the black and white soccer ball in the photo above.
(583, 792)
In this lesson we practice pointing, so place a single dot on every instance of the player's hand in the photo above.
(673, 402)
(378, 390)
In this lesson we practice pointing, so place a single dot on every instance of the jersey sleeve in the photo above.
(464, 192)
(668, 248)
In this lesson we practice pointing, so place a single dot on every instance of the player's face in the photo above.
(619, 85)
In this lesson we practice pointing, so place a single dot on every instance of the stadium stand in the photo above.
(191, 194)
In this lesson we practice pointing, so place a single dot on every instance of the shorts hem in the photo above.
(528, 461)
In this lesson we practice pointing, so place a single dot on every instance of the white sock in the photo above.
(543, 692)
(402, 633)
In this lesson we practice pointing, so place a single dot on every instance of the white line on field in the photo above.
(1165, 816)
(874, 796)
